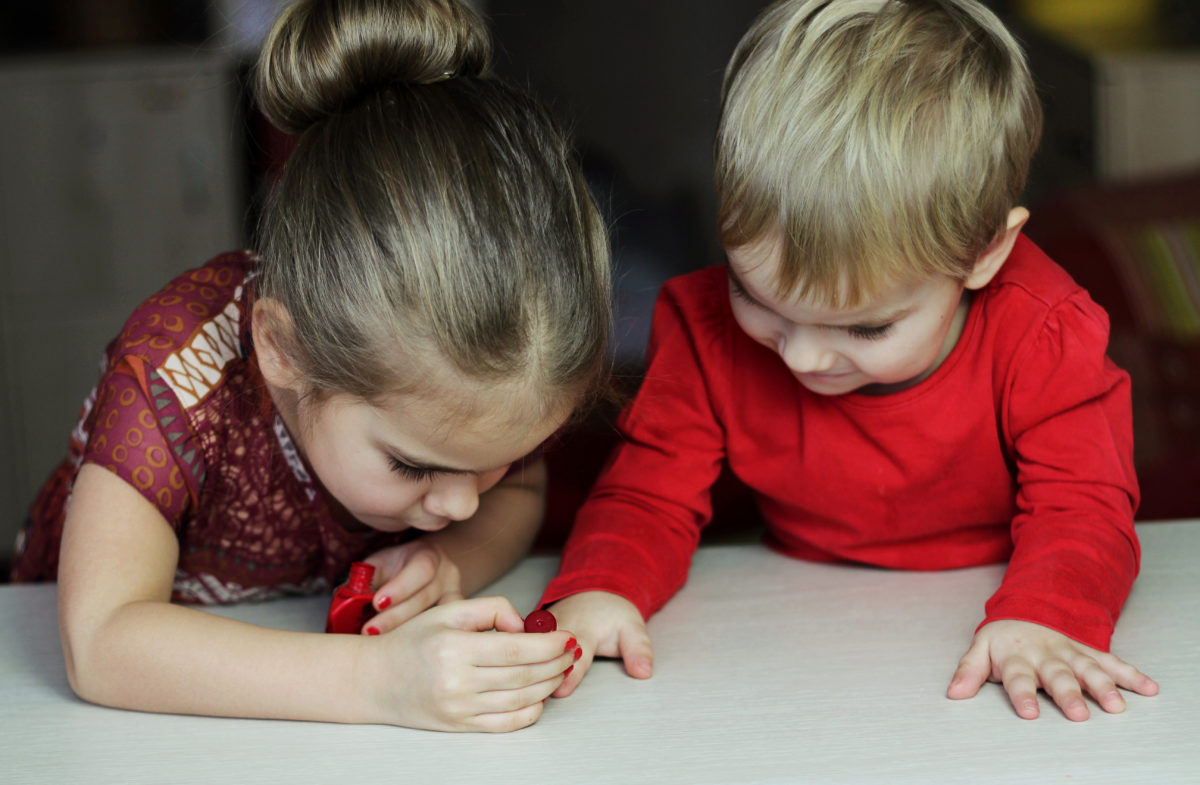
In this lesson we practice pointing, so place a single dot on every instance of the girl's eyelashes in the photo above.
(870, 333)
(415, 473)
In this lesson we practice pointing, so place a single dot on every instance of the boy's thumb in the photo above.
(636, 652)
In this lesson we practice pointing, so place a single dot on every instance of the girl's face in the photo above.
(892, 341)
(404, 463)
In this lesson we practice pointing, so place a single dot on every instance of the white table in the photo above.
(767, 670)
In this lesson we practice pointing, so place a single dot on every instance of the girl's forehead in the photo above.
(471, 430)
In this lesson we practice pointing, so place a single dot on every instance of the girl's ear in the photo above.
(994, 256)
(271, 326)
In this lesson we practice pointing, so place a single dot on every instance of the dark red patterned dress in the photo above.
(182, 415)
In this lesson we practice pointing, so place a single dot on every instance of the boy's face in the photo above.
(892, 341)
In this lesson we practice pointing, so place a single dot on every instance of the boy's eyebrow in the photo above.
(875, 319)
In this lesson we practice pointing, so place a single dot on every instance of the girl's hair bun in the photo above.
(323, 55)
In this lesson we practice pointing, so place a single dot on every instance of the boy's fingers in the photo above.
(973, 670)
(1021, 685)
(636, 652)
(1062, 684)
(1127, 676)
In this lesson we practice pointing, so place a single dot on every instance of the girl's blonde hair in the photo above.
(886, 139)
(430, 217)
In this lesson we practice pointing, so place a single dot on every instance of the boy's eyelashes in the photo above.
(864, 332)
(874, 333)
(415, 473)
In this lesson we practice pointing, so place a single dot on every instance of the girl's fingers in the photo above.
(575, 675)
(518, 676)
(416, 574)
(507, 722)
(500, 701)
(423, 600)
(522, 648)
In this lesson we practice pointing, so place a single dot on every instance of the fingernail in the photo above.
(567, 672)
(372, 630)
(578, 653)
(383, 602)
(572, 643)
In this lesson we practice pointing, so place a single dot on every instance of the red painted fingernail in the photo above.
(372, 630)
(578, 653)
(383, 603)
(572, 643)
(567, 672)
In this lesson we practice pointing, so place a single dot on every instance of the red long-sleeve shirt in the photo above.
(1018, 447)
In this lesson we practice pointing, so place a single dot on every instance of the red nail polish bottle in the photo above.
(351, 605)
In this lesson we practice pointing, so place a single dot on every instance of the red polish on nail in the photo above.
(578, 653)
(384, 602)
(572, 643)
(372, 630)
(541, 621)
(567, 672)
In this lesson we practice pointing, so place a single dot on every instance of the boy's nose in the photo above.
(455, 497)
(806, 354)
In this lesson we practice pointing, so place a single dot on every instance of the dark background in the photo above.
(638, 81)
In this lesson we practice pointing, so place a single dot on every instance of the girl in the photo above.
(430, 304)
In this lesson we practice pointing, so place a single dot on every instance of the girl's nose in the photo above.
(455, 497)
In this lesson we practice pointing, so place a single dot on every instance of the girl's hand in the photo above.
(607, 625)
(445, 670)
(1024, 656)
(416, 576)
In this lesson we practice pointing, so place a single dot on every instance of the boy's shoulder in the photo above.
(1030, 275)
(701, 291)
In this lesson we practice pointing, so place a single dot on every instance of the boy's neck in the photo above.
(955, 332)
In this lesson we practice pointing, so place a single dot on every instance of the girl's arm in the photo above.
(464, 557)
(125, 645)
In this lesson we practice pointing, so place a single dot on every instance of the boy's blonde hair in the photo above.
(430, 217)
(886, 139)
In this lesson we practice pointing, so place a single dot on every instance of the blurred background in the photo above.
(129, 151)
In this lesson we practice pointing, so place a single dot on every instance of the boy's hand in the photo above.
(1024, 656)
(416, 576)
(606, 625)
(439, 672)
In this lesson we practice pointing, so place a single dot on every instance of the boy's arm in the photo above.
(1075, 553)
(637, 531)
(125, 645)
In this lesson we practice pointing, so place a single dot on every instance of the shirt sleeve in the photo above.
(140, 433)
(1068, 414)
(637, 531)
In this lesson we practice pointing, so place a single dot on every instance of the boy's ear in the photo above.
(994, 256)
(271, 326)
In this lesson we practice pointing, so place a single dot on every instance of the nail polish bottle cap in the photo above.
(361, 574)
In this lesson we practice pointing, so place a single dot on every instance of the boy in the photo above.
(900, 376)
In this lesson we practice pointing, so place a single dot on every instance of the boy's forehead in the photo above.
(753, 268)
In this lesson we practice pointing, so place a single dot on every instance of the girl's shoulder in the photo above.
(200, 311)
